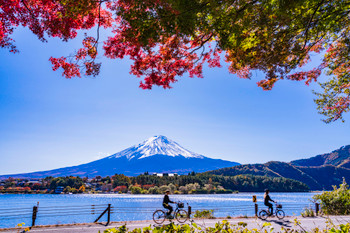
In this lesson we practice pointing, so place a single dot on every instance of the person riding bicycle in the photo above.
(267, 198)
(166, 202)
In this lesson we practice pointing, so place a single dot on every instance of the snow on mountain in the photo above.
(157, 145)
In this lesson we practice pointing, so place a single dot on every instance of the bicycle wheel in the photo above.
(181, 216)
(159, 216)
(263, 214)
(280, 214)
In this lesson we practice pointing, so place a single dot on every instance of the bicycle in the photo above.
(179, 214)
(263, 214)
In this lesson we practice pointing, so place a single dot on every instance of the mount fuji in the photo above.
(158, 154)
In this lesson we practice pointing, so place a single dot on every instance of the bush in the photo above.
(336, 202)
(135, 190)
(154, 190)
(164, 188)
(199, 191)
(223, 191)
(172, 187)
(308, 212)
(67, 189)
(204, 214)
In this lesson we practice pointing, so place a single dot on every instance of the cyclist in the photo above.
(166, 202)
(267, 198)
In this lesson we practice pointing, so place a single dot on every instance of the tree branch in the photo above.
(309, 23)
(98, 25)
(30, 12)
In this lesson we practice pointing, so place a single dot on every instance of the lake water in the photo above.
(78, 208)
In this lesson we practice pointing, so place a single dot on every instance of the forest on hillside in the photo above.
(315, 177)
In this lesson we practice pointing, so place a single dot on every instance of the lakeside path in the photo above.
(288, 222)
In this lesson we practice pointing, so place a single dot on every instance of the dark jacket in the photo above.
(267, 199)
(166, 200)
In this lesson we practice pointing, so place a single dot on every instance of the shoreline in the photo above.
(143, 194)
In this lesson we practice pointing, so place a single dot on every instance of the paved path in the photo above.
(288, 222)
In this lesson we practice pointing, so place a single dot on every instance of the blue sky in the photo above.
(47, 121)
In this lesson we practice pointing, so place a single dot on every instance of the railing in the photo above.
(253, 209)
(43, 212)
(96, 212)
(15, 213)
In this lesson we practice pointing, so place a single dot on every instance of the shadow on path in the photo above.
(282, 223)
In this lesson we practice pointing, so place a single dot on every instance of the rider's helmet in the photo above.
(267, 190)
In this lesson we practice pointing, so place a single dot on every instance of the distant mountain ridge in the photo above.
(158, 154)
(162, 155)
(319, 172)
(339, 157)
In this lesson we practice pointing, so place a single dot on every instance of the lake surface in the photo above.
(79, 208)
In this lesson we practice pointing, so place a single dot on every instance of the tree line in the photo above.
(192, 183)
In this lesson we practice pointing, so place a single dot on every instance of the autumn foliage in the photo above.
(167, 39)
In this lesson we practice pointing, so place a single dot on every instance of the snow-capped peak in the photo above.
(157, 145)
(161, 145)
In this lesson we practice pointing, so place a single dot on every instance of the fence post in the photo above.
(317, 208)
(35, 211)
(108, 211)
(108, 214)
(189, 211)
(255, 206)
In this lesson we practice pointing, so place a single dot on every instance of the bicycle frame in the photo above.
(278, 212)
(275, 209)
(179, 214)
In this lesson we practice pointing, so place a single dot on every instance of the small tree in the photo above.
(164, 188)
(336, 202)
(154, 190)
(81, 189)
(74, 190)
(172, 187)
(183, 189)
(67, 189)
(135, 190)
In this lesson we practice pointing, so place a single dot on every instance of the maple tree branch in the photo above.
(202, 43)
(309, 48)
(35, 26)
(98, 25)
(202, 54)
(309, 23)
(189, 10)
(339, 14)
(216, 49)
(30, 12)
(323, 35)
(236, 13)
